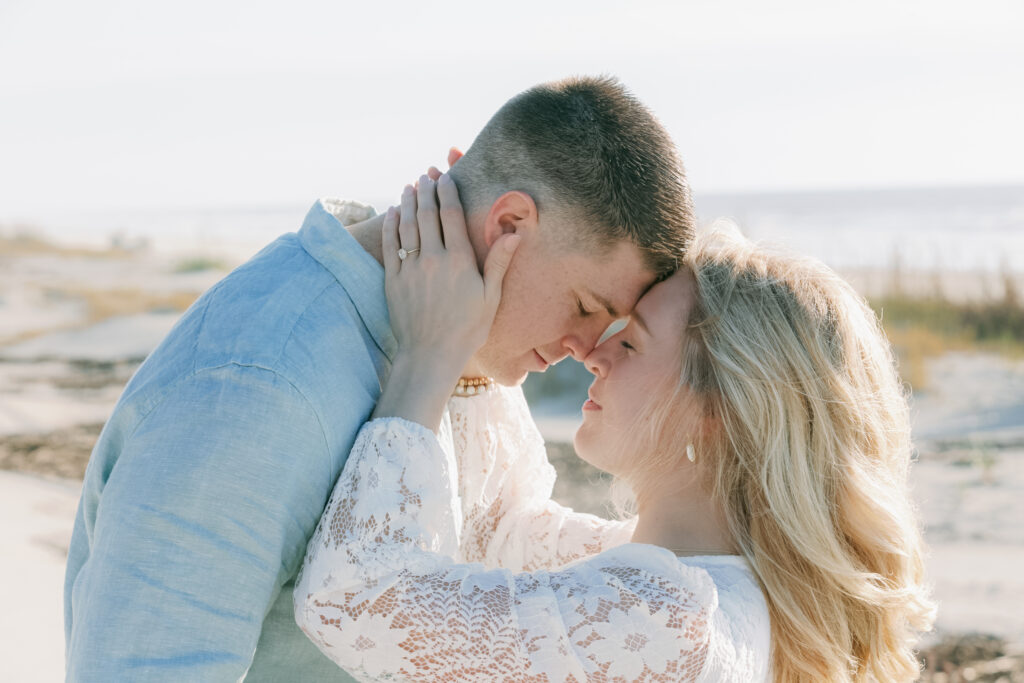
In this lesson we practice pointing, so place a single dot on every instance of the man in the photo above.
(215, 467)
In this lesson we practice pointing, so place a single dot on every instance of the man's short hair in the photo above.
(587, 149)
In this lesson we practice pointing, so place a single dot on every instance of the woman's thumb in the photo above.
(496, 265)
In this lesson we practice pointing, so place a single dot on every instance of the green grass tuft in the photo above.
(922, 327)
(199, 264)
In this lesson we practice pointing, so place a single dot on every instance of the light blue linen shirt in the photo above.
(215, 467)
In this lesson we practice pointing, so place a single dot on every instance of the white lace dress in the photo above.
(443, 558)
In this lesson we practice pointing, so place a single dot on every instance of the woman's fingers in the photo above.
(408, 231)
(427, 216)
(453, 220)
(389, 242)
(495, 267)
(437, 299)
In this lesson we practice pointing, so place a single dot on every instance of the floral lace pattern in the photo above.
(442, 558)
(505, 485)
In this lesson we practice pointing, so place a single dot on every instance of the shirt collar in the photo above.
(324, 236)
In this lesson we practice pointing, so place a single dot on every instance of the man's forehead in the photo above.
(617, 280)
(615, 300)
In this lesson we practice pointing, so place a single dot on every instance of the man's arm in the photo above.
(203, 518)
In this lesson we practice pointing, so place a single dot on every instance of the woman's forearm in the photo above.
(418, 389)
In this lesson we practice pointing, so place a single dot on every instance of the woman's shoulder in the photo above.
(715, 582)
(650, 568)
(709, 608)
(632, 612)
(741, 626)
(722, 578)
(731, 575)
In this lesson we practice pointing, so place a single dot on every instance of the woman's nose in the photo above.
(597, 361)
(583, 339)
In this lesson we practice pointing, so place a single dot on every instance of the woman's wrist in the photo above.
(417, 389)
(436, 369)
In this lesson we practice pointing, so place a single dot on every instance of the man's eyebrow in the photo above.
(608, 305)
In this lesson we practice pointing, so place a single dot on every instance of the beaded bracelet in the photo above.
(472, 386)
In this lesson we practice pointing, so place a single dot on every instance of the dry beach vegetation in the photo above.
(75, 323)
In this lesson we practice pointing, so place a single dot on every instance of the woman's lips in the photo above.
(590, 405)
(543, 364)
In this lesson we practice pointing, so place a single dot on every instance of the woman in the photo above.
(752, 407)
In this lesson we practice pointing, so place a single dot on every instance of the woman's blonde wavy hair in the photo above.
(811, 458)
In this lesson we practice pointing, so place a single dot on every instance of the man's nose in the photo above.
(582, 341)
(576, 347)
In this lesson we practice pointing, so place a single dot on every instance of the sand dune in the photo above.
(67, 349)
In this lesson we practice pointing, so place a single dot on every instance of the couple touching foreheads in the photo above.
(750, 404)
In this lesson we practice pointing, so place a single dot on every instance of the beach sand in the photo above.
(37, 519)
(74, 326)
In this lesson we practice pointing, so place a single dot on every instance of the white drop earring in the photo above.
(690, 455)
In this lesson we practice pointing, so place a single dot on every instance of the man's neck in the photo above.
(367, 233)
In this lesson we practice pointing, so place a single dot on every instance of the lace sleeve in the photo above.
(505, 485)
(377, 516)
(379, 597)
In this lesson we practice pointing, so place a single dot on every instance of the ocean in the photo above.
(945, 228)
(977, 228)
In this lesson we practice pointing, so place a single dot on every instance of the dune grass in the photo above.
(97, 304)
(199, 264)
(102, 304)
(922, 327)
(28, 244)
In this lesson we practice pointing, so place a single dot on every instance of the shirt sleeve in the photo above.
(506, 481)
(380, 594)
(203, 518)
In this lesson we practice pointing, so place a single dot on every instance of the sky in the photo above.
(112, 104)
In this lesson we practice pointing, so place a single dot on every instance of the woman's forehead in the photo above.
(670, 299)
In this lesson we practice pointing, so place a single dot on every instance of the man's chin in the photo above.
(512, 378)
(510, 374)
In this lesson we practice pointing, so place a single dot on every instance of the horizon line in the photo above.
(7, 218)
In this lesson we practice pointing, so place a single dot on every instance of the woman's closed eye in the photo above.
(626, 345)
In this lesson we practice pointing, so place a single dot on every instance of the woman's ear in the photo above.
(512, 212)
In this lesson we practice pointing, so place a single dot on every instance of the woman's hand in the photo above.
(441, 308)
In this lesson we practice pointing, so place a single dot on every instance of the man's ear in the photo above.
(454, 154)
(512, 212)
